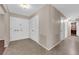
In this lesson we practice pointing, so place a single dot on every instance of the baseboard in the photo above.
(51, 47)
(55, 45)
(43, 46)
(40, 44)
(6, 45)
(18, 39)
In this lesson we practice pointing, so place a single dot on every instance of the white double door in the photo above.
(19, 28)
(34, 28)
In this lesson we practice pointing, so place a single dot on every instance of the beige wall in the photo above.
(4, 26)
(43, 25)
(49, 26)
(7, 29)
(1, 10)
(54, 27)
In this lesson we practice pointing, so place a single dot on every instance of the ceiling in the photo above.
(69, 10)
(15, 8)
(66, 9)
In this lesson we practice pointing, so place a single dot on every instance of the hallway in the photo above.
(69, 46)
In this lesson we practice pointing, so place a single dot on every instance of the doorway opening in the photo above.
(73, 29)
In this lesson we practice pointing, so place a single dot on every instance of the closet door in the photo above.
(19, 28)
(34, 28)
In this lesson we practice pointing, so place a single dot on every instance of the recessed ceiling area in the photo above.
(16, 8)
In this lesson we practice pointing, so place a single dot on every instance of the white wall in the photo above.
(62, 29)
(67, 27)
(77, 25)
(19, 28)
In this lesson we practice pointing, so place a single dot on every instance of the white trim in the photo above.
(40, 44)
(43, 46)
(5, 51)
(54, 45)
(6, 45)
(18, 39)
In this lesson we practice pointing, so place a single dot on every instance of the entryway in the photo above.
(73, 29)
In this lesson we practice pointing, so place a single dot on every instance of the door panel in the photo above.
(34, 28)
(19, 28)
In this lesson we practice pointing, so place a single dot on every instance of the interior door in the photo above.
(34, 28)
(19, 28)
